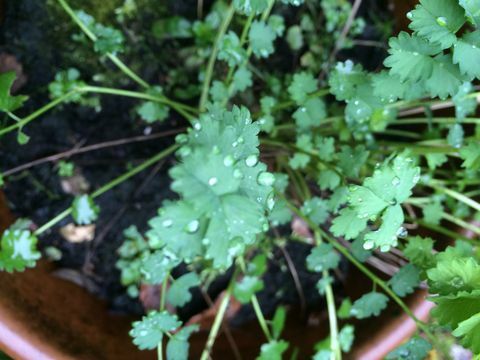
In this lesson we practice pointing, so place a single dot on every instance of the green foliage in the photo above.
(246, 288)
(84, 210)
(416, 348)
(322, 257)
(177, 347)
(7, 101)
(368, 305)
(18, 250)
(65, 168)
(178, 293)
(151, 111)
(273, 350)
(148, 333)
(261, 38)
(405, 280)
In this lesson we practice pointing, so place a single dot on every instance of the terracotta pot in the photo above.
(46, 318)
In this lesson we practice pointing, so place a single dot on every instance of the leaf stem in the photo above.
(260, 317)
(454, 194)
(124, 68)
(110, 185)
(213, 57)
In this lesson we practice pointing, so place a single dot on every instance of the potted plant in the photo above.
(357, 168)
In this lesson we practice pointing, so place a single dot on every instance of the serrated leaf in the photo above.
(299, 161)
(231, 51)
(432, 213)
(273, 350)
(346, 336)
(84, 210)
(445, 79)
(261, 37)
(242, 79)
(310, 114)
(386, 236)
(410, 57)
(246, 288)
(151, 112)
(351, 160)
(148, 332)
(454, 275)
(249, 7)
(322, 257)
(419, 251)
(348, 224)
(416, 348)
(469, 330)
(464, 105)
(472, 10)
(7, 101)
(358, 251)
(389, 87)
(316, 210)
(64, 82)
(178, 346)
(405, 280)
(18, 250)
(328, 179)
(470, 153)
(157, 266)
(437, 21)
(466, 53)
(343, 311)
(302, 85)
(109, 40)
(345, 79)
(368, 305)
(179, 292)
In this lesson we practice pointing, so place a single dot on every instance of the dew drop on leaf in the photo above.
(167, 223)
(396, 181)
(193, 226)
(442, 21)
(266, 179)
(228, 161)
(212, 181)
(237, 174)
(402, 232)
(197, 126)
(251, 160)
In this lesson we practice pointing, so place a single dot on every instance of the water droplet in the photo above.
(265, 227)
(442, 21)
(237, 174)
(251, 160)
(167, 223)
(266, 179)
(181, 138)
(143, 333)
(193, 226)
(212, 181)
(402, 232)
(215, 150)
(385, 248)
(396, 181)
(235, 144)
(240, 140)
(228, 161)
(206, 241)
(197, 126)
(457, 282)
(270, 202)
(184, 151)
(368, 245)
(409, 15)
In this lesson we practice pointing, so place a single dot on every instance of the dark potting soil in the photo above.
(36, 193)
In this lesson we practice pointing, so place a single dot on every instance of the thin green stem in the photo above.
(435, 120)
(217, 323)
(454, 194)
(182, 109)
(213, 57)
(91, 35)
(110, 185)
(163, 298)
(260, 317)
(22, 122)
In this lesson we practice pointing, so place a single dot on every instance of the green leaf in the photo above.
(466, 53)
(368, 305)
(470, 153)
(295, 37)
(261, 38)
(65, 168)
(246, 288)
(453, 309)
(437, 21)
(456, 135)
(148, 333)
(299, 161)
(316, 210)
(257, 266)
(66, 81)
(273, 350)
(472, 10)
(278, 322)
(22, 138)
(231, 51)
(432, 213)
(325, 147)
(157, 266)
(435, 160)
(249, 7)
(311, 114)
(302, 85)
(358, 251)
(416, 348)
(179, 292)
(464, 104)
(172, 27)
(242, 79)
(218, 92)
(177, 347)
(343, 311)
(410, 57)
(351, 160)
(109, 40)
(277, 23)
(386, 236)
(8, 102)
(348, 224)
(346, 337)
(328, 179)
(389, 87)
(405, 280)
(151, 111)
(345, 80)
(322, 257)
(84, 210)
(454, 275)
(419, 251)
(470, 331)
(445, 79)
(18, 250)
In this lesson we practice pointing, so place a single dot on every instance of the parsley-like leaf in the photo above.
(322, 257)
(84, 210)
(148, 333)
(368, 305)
(7, 101)
(405, 280)
(18, 250)
(179, 292)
